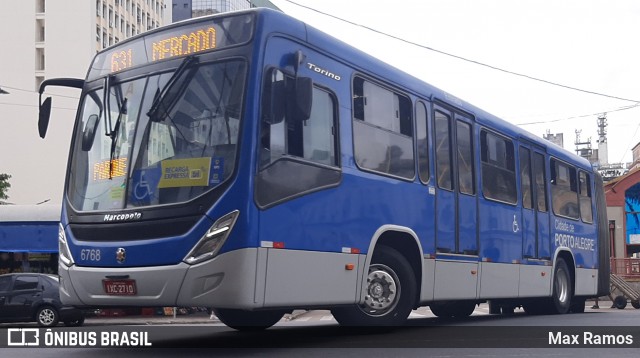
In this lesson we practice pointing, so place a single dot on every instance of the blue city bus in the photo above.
(253, 164)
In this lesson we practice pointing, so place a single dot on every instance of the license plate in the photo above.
(119, 287)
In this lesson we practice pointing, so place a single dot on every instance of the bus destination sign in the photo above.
(174, 42)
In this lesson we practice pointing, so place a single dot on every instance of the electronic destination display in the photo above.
(215, 33)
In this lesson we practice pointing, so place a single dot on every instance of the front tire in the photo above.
(390, 293)
(47, 316)
(248, 320)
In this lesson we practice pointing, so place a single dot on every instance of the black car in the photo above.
(33, 297)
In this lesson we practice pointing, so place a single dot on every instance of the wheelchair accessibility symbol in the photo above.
(142, 190)
(516, 228)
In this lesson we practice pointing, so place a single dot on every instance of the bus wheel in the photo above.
(390, 293)
(248, 320)
(562, 292)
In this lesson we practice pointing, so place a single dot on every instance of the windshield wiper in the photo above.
(114, 134)
(167, 96)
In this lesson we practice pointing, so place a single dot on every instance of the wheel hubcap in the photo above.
(382, 290)
(46, 316)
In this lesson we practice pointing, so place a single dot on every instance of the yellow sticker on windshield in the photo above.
(185, 172)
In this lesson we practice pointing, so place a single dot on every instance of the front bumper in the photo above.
(227, 281)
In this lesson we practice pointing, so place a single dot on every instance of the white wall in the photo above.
(38, 166)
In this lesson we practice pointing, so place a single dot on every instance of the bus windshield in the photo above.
(125, 158)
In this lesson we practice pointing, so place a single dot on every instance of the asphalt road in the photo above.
(315, 333)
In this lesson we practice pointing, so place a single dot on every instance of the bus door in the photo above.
(535, 215)
(456, 208)
(535, 220)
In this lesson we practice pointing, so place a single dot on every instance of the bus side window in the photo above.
(498, 168)
(586, 211)
(382, 130)
(313, 139)
(564, 190)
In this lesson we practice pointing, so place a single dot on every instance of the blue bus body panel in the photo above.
(348, 215)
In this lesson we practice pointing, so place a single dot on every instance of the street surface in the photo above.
(316, 333)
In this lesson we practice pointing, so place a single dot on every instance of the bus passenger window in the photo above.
(564, 190)
(586, 211)
(382, 130)
(498, 168)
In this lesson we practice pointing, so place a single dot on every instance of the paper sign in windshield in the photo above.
(185, 172)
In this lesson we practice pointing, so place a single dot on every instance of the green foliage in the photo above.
(4, 186)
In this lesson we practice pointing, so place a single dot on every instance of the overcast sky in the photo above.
(587, 44)
(591, 45)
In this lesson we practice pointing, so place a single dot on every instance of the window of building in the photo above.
(526, 184)
(422, 141)
(466, 173)
(586, 210)
(313, 140)
(564, 190)
(540, 181)
(498, 168)
(382, 130)
(40, 30)
(40, 64)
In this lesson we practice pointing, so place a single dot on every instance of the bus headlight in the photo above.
(63, 248)
(212, 240)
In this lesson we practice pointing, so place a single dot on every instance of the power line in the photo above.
(581, 116)
(24, 90)
(464, 58)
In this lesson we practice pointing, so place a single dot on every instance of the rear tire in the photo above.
(248, 320)
(390, 293)
(562, 289)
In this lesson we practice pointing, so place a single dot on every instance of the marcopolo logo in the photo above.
(123, 217)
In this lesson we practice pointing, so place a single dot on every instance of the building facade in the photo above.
(48, 39)
(186, 9)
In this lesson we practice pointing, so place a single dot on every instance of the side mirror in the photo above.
(43, 117)
(303, 98)
(274, 98)
(89, 132)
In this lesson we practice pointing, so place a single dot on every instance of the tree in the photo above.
(4, 186)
